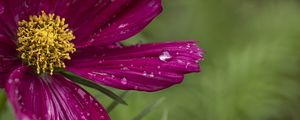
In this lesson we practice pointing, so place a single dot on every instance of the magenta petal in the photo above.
(118, 21)
(147, 67)
(12, 11)
(8, 58)
(83, 11)
(50, 98)
(7, 21)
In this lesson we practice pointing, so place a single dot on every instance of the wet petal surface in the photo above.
(118, 21)
(8, 58)
(50, 98)
(145, 67)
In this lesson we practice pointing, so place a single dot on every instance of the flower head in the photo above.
(44, 42)
(39, 37)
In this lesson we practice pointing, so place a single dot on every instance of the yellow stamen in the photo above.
(44, 42)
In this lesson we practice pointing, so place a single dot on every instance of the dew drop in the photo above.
(200, 54)
(101, 61)
(188, 45)
(165, 56)
(145, 73)
(187, 65)
(151, 74)
(17, 91)
(10, 81)
(124, 68)
(96, 104)
(92, 74)
(124, 81)
(112, 76)
(20, 97)
(1, 9)
(17, 79)
(68, 4)
(180, 61)
(123, 25)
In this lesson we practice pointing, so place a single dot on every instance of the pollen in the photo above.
(44, 42)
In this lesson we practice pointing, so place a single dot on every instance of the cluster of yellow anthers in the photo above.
(44, 42)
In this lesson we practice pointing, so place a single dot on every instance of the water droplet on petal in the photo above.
(187, 65)
(145, 73)
(101, 61)
(124, 81)
(10, 81)
(17, 80)
(159, 73)
(124, 68)
(17, 91)
(96, 104)
(1, 9)
(180, 61)
(188, 45)
(165, 56)
(200, 54)
(151, 74)
(123, 25)
(20, 97)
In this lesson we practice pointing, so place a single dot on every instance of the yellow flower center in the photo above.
(44, 42)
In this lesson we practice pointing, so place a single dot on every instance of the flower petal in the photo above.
(118, 21)
(12, 11)
(83, 11)
(147, 67)
(50, 98)
(75, 11)
(8, 58)
(7, 23)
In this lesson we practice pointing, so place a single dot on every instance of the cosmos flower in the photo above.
(37, 37)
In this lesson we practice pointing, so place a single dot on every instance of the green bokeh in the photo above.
(251, 69)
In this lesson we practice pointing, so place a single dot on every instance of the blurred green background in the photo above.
(251, 69)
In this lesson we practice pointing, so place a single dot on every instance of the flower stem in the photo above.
(2, 100)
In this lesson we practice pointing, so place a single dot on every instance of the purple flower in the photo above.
(82, 36)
